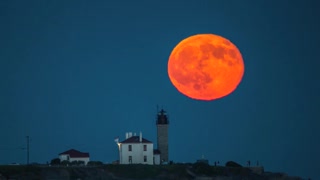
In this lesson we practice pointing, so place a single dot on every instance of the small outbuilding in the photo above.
(74, 155)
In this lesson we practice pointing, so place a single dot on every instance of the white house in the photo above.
(74, 155)
(136, 150)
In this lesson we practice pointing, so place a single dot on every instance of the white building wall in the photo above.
(137, 153)
(156, 159)
(63, 157)
(66, 157)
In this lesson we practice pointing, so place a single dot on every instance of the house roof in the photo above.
(74, 153)
(135, 139)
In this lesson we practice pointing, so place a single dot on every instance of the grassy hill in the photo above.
(127, 172)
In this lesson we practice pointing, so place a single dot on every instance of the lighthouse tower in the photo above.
(162, 135)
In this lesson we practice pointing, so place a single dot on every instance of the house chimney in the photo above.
(130, 134)
(127, 135)
(135, 134)
(140, 137)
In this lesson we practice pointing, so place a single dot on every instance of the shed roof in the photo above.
(75, 153)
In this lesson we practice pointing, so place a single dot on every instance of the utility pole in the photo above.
(27, 150)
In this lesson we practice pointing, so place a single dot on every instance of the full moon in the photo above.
(205, 67)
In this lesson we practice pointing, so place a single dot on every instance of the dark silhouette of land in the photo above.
(186, 171)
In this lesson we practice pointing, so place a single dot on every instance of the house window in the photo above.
(145, 147)
(144, 158)
(130, 148)
(130, 159)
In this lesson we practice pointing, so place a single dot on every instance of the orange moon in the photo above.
(205, 67)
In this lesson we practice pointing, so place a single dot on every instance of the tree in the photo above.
(55, 161)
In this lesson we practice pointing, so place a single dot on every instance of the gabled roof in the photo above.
(135, 139)
(74, 153)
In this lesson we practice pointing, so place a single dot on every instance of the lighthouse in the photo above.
(162, 135)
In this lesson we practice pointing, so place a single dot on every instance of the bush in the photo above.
(65, 163)
(55, 161)
(232, 164)
(95, 163)
(81, 163)
(77, 163)
(201, 168)
(74, 163)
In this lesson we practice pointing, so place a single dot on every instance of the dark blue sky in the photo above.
(75, 74)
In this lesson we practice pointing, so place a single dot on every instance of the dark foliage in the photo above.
(77, 163)
(232, 164)
(65, 163)
(94, 163)
(55, 161)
